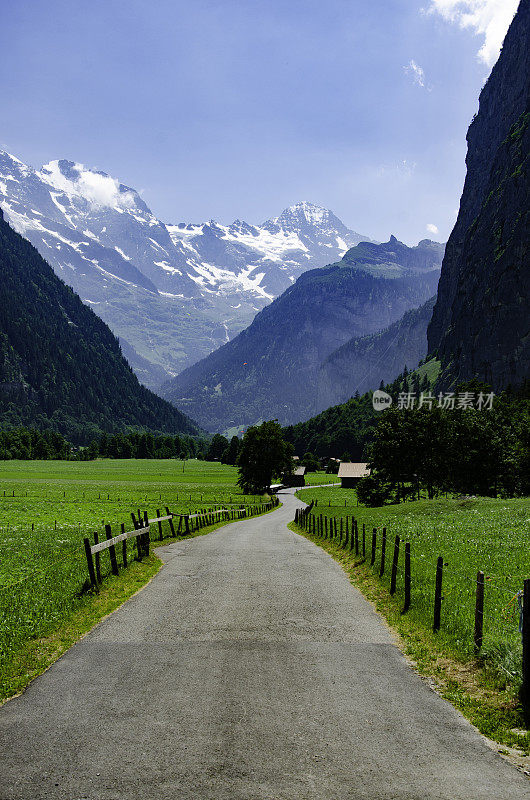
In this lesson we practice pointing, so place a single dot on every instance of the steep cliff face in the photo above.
(480, 320)
(360, 364)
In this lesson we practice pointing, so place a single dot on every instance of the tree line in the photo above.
(465, 450)
(32, 444)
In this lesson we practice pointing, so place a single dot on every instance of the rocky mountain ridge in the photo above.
(171, 293)
(272, 368)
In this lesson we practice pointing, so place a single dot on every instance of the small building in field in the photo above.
(296, 478)
(351, 473)
(299, 475)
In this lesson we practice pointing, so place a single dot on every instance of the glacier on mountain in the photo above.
(171, 292)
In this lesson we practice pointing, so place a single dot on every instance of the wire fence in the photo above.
(483, 614)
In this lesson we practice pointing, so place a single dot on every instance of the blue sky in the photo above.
(237, 108)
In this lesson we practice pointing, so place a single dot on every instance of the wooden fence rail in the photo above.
(108, 544)
(188, 523)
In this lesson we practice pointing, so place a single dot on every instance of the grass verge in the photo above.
(32, 657)
(476, 689)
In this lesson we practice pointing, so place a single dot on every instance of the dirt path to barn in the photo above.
(249, 668)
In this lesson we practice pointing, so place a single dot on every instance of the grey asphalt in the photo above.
(248, 668)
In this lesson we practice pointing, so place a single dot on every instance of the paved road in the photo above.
(248, 669)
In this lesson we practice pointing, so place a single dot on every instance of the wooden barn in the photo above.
(351, 473)
(296, 479)
(299, 474)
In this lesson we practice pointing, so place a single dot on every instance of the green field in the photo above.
(316, 478)
(66, 500)
(47, 507)
(471, 534)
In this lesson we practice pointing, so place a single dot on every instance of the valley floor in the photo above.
(248, 668)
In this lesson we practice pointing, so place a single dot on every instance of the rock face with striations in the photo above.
(480, 321)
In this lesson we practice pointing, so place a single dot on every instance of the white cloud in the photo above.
(418, 75)
(488, 18)
(432, 228)
(101, 191)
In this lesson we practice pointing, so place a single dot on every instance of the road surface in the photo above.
(248, 669)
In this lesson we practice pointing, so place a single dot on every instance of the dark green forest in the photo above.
(429, 449)
(30, 443)
(61, 368)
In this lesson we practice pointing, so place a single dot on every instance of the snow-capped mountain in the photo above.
(171, 292)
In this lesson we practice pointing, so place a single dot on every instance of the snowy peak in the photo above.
(305, 214)
(99, 190)
(103, 240)
(315, 225)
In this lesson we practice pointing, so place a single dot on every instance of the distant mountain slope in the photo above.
(174, 293)
(362, 363)
(271, 369)
(60, 366)
(480, 324)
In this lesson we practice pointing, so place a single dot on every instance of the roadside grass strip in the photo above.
(46, 602)
(469, 534)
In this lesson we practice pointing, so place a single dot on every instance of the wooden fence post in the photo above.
(406, 605)
(374, 542)
(137, 524)
(340, 536)
(98, 560)
(356, 539)
(383, 554)
(393, 577)
(90, 563)
(525, 686)
(124, 546)
(160, 536)
(364, 541)
(112, 552)
(171, 526)
(479, 612)
(438, 594)
(146, 535)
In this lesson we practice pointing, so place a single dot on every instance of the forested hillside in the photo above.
(60, 366)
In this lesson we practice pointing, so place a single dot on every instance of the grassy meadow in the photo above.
(471, 534)
(46, 509)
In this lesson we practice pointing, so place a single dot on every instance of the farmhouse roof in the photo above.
(353, 470)
(299, 471)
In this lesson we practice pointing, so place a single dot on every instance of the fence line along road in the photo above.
(345, 534)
